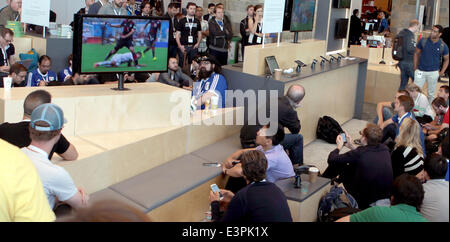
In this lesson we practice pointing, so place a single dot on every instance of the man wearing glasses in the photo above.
(7, 51)
(212, 83)
(18, 73)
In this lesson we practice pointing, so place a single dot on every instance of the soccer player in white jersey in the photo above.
(119, 59)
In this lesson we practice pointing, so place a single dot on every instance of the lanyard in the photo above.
(220, 23)
(190, 25)
(120, 11)
(17, 17)
(5, 58)
(44, 77)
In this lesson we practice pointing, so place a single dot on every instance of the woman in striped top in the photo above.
(407, 156)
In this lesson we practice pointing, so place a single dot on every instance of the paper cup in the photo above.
(313, 173)
(7, 82)
(214, 102)
(277, 74)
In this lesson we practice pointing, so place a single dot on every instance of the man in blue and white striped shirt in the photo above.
(42, 75)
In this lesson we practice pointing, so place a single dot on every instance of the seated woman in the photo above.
(422, 109)
(407, 156)
(259, 201)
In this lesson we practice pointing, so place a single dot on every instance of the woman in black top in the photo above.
(255, 25)
(259, 201)
(407, 156)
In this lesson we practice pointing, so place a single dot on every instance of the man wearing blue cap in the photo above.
(47, 121)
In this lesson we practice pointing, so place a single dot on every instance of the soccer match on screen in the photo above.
(124, 44)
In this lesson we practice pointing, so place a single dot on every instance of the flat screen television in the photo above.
(341, 28)
(302, 16)
(287, 15)
(341, 3)
(117, 44)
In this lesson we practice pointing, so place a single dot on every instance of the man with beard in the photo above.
(212, 83)
(174, 76)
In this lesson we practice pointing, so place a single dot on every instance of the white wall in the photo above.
(356, 4)
(64, 9)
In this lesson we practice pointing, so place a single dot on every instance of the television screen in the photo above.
(341, 3)
(341, 28)
(115, 44)
(302, 17)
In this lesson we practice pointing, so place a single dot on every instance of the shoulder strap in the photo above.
(442, 46)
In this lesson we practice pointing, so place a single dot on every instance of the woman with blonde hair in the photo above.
(422, 108)
(407, 156)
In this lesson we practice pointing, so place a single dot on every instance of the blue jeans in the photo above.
(407, 71)
(387, 114)
(190, 52)
(294, 144)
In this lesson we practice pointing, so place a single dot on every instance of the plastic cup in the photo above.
(313, 173)
(7, 82)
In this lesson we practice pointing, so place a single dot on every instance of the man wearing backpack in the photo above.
(406, 57)
(427, 61)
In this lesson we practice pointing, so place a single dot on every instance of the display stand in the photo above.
(296, 37)
(120, 84)
(382, 58)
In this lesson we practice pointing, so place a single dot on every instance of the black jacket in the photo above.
(355, 27)
(287, 116)
(218, 38)
(372, 178)
(409, 44)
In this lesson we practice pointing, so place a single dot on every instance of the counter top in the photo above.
(295, 194)
(306, 71)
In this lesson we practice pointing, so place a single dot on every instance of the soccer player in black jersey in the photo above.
(126, 38)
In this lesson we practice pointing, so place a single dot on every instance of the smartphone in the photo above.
(215, 189)
(213, 164)
(343, 137)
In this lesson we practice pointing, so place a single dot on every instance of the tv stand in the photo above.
(120, 84)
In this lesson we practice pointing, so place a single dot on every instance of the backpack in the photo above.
(397, 47)
(328, 129)
(335, 199)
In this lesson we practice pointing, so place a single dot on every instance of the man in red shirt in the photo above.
(440, 122)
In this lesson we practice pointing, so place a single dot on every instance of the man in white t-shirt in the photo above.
(119, 59)
(46, 123)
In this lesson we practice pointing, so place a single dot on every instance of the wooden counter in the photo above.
(373, 55)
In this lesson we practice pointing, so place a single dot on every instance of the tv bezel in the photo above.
(314, 16)
(336, 4)
(78, 41)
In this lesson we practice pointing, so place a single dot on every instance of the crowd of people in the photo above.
(396, 171)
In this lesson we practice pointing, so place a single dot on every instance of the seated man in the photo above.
(443, 150)
(174, 76)
(407, 197)
(288, 118)
(260, 201)
(444, 92)
(66, 73)
(47, 121)
(18, 74)
(403, 106)
(18, 134)
(368, 175)
(384, 109)
(22, 197)
(431, 130)
(212, 83)
(42, 75)
(279, 164)
(435, 203)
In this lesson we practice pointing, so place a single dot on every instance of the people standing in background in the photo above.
(94, 8)
(146, 9)
(132, 8)
(11, 12)
(427, 61)
(255, 26)
(355, 28)
(384, 25)
(85, 10)
(203, 47)
(245, 30)
(7, 51)
(189, 35)
(220, 34)
(406, 65)
(115, 8)
(172, 10)
(211, 10)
